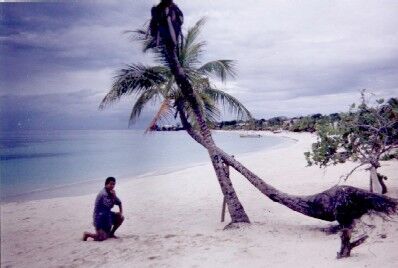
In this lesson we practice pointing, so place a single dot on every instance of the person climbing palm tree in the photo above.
(166, 23)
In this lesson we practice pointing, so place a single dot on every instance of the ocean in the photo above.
(46, 164)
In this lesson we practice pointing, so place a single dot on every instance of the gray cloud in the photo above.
(73, 110)
(291, 55)
(52, 39)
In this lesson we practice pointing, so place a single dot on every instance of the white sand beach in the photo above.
(173, 220)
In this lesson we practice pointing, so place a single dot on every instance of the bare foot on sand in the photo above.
(85, 236)
(113, 236)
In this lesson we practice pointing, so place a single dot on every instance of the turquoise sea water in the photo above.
(43, 164)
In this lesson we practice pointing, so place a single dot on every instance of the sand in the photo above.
(173, 220)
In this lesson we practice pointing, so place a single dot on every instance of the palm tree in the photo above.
(158, 83)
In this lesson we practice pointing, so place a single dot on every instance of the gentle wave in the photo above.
(29, 156)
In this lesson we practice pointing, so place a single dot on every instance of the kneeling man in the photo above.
(106, 221)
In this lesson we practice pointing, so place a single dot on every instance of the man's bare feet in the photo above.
(113, 236)
(85, 236)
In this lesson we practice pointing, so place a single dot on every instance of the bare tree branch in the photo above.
(346, 176)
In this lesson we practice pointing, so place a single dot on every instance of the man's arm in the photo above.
(117, 201)
(100, 202)
(153, 25)
(119, 204)
(180, 15)
(120, 208)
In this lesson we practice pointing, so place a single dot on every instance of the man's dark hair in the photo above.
(166, 2)
(109, 179)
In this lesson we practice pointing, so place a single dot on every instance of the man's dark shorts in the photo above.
(106, 221)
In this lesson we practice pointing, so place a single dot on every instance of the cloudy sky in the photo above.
(57, 59)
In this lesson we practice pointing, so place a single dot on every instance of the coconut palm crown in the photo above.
(150, 84)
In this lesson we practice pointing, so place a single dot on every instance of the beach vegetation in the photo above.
(366, 134)
(295, 124)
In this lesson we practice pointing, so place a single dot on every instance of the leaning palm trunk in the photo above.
(296, 203)
(235, 208)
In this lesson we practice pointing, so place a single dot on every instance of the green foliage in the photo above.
(276, 121)
(324, 151)
(363, 134)
(306, 123)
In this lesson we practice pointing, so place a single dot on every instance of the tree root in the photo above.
(236, 225)
(359, 241)
(346, 245)
(331, 230)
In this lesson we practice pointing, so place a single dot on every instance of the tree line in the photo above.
(309, 123)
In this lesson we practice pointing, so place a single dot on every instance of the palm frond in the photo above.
(138, 34)
(212, 113)
(192, 54)
(194, 32)
(219, 68)
(143, 36)
(208, 109)
(165, 111)
(233, 105)
(140, 103)
(148, 44)
(191, 49)
(134, 79)
(198, 80)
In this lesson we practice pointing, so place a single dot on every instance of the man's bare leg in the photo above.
(118, 221)
(87, 235)
(99, 236)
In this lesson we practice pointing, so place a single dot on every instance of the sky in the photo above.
(58, 58)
